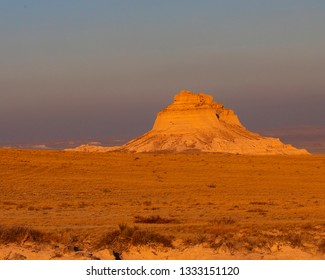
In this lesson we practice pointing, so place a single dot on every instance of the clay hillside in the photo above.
(195, 123)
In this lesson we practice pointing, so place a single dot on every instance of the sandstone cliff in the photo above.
(195, 123)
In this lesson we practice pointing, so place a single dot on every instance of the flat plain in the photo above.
(74, 205)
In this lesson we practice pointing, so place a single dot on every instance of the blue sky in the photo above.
(75, 69)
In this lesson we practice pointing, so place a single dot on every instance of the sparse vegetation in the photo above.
(223, 221)
(321, 247)
(153, 220)
(294, 239)
(196, 240)
(126, 231)
(106, 190)
(20, 234)
(259, 203)
(109, 239)
(146, 237)
(260, 211)
(124, 237)
(147, 203)
(82, 204)
(78, 205)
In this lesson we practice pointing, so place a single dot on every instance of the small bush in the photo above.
(121, 239)
(19, 234)
(113, 240)
(258, 203)
(321, 247)
(127, 231)
(199, 239)
(294, 239)
(223, 221)
(222, 230)
(153, 220)
(259, 211)
(109, 239)
(144, 237)
(255, 241)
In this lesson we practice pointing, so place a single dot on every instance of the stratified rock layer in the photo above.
(195, 123)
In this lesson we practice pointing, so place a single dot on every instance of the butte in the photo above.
(195, 123)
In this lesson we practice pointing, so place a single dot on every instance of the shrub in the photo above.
(321, 247)
(19, 234)
(294, 239)
(223, 221)
(127, 231)
(126, 235)
(153, 220)
(109, 239)
(145, 237)
(196, 240)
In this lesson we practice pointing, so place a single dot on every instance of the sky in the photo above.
(76, 69)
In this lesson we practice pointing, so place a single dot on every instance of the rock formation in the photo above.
(195, 123)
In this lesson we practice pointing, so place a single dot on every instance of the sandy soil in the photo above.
(74, 205)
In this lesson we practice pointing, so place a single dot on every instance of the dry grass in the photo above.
(321, 247)
(20, 234)
(258, 201)
(195, 240)
(153, 220)
(223, 221)
(120, 240)
(146, 237)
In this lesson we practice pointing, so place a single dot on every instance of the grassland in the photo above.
(56, 205)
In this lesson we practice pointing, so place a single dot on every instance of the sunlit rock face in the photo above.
(195, 123)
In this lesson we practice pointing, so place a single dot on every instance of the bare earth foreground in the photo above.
(74, 205)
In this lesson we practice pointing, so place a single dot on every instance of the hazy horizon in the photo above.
(103, 69)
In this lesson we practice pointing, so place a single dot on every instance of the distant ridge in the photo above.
(195, 123)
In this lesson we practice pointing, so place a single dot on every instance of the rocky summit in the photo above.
(195, 123)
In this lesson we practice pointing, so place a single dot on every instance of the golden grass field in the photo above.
(74, 205)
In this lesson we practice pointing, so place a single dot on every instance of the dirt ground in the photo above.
(74, 205)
